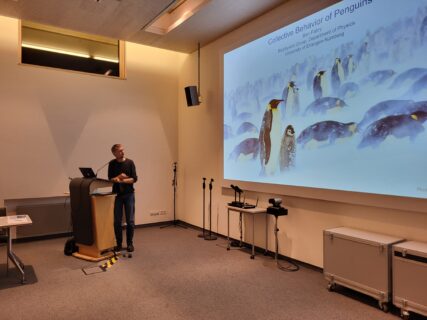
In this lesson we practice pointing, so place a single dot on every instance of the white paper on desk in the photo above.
(18, 218)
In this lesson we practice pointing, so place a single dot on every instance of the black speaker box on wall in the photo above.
(192, 96)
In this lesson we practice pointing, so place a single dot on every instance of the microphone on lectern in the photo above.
(236, 188)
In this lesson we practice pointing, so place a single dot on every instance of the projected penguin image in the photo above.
(320, 86)
(290, 99)
(269, 138)
(325, 104)
(287, 149)
(385, 108)
(353, 93)
(419, 89)
(417, 106)
(246, 127)
(412, 74)
(423, 31)
(349, 66)
(378, 77)
(228, 131)
(348, 90)
(337, 76)
(309, 78)
(363, 57)
(244, 116)
(247, 149)
(399, 126)
(326, 131)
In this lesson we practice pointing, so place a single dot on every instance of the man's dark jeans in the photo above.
(126, 201)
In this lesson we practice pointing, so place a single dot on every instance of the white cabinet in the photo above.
(359, 260)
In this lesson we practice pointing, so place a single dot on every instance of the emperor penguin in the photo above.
(349, 66)
(287, 149)
(319, 85)
(295, 72)
(423, 30)
(337, 76)
(363, 58)
(270, 138)
(310, 77)
(290, 98)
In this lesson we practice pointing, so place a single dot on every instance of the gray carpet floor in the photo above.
(173, 274)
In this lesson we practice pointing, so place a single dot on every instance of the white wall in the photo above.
(53, 121)
(200, 155)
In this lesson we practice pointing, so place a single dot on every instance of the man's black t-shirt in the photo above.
(127, 167)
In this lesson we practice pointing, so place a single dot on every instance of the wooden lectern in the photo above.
(92, 214)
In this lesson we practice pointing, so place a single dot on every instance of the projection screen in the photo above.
(336, 101)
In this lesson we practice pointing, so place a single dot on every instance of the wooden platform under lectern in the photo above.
(103, 230)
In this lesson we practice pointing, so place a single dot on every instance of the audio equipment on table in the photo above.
(239, 203)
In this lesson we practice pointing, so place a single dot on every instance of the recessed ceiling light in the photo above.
(175, 16)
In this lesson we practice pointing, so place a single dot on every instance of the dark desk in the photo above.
(7, 223)
(252, 212)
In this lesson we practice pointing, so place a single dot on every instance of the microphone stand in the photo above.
(96, 174)
(202, 235)
(174, 184)
(210, 236)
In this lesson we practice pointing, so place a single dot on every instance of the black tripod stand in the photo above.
(174, 184)
(210, 236)
(202, 235)
(291, 265)
(277, 210)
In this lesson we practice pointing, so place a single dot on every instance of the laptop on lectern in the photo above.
(87, 172)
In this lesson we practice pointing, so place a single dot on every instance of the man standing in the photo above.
(122, 172)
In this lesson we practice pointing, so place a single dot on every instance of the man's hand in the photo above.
(122, 178)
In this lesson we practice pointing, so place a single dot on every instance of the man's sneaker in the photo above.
(130, 248)
(118, 248)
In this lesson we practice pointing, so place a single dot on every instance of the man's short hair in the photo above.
(115, 147)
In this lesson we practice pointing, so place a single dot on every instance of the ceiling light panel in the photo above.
(171, 19)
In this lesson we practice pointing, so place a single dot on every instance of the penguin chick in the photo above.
(287, 149)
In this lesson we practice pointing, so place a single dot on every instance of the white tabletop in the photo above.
(12, 221)
(412, 245)
(251, 210)
(365, 235)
